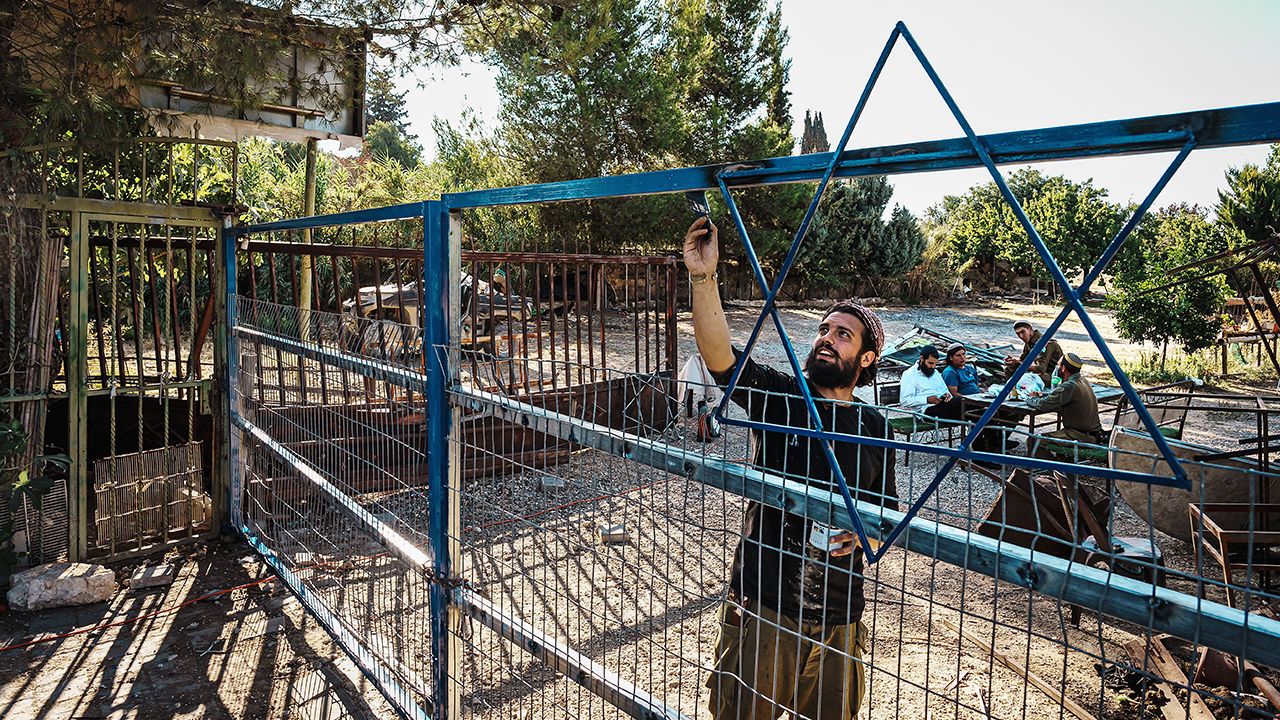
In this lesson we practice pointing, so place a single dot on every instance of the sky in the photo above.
(1009, 66)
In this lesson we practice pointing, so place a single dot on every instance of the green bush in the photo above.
(1178, 366)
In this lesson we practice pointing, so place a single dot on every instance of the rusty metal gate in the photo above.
(109, 341)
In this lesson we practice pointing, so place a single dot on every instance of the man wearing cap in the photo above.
(923, 389)
(1044, 365)
(961, 377)
(1075, 403)
(791, 637)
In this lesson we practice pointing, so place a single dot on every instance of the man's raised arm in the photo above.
(710, 328)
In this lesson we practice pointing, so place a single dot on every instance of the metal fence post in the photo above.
(230, 384)
(436, 270)
(77, 389)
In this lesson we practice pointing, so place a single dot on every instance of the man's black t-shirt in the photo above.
(775, 563)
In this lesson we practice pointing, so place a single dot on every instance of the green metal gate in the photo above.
(110, 344)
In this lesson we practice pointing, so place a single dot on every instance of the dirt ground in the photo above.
(644, 608)
(251, 653)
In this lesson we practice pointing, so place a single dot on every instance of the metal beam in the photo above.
(77, 388)
(136, 212)
(1252, 636)
(394, 542)
(405, 211)
(374, 369)
(1222, 127)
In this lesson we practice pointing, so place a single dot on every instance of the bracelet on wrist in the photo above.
(703, 277)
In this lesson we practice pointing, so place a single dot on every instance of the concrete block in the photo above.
(550, 482)
(153, 576)
(611, 533)
(61, 584)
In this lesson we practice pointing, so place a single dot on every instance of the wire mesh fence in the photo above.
(612, 552)
(333, 468)
(633, 565)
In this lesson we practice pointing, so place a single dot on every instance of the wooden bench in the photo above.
(1168, 406)
(909, 424)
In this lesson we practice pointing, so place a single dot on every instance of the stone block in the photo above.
(153, 576)
(611, 534)
(61, 584)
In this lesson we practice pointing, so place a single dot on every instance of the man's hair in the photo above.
(872, 336)
(928, 351)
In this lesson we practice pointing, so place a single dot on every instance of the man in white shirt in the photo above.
(924, 390)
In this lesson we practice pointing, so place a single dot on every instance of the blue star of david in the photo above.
(1178, 476)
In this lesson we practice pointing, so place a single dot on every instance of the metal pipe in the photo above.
(1242, 125)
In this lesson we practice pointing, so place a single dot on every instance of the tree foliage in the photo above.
(814, 139)
(382, 102)
(1250, 204)
(850, 239)
(1189, 314)
(67, 66)
(624, 86)
(383, 141)
(387, 135)
(1075, 220)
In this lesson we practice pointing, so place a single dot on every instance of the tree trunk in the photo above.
(1164, 353)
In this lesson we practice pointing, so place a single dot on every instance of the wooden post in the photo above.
(304, 272)
(248, 374)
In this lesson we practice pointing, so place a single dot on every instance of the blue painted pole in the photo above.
(231, 347)
(437, 262)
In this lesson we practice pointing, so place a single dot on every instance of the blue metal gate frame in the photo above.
(1210, 623)
(433, 562)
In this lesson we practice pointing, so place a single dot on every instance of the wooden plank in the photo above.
(1154, 657)
(1074, 707)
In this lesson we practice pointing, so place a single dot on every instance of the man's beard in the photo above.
(928, 371)
(838, 374)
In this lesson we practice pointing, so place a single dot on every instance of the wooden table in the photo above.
(1107, 396)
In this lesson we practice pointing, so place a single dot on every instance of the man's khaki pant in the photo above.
(768, 664)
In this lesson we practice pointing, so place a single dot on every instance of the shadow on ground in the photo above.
(251, 653)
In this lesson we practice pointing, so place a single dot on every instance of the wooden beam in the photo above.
(1074, 707)
(1154, 658)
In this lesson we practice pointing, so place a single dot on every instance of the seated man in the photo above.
(960, 376)
(962, 379)
(1044, 365)
(1075, 403)
(923, 389)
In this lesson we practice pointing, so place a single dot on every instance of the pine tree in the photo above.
(814, 139)
(387, 135)
(631, 85)
(382, 102)
(851, 241)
